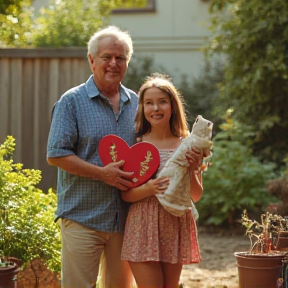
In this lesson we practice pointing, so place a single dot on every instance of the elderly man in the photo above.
(90, 210)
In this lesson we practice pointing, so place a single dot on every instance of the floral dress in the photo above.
(153, 234)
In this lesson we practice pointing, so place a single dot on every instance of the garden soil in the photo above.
(217, 268)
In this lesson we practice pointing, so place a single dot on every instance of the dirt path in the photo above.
(216, 270)
(218, 266)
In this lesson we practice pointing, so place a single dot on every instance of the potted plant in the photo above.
(27, 228)
(262, 265)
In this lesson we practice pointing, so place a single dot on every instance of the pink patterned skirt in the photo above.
(153, 234)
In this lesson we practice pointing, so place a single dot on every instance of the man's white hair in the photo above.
(109, 31)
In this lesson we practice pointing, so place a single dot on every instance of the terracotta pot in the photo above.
(259, 271)
(282, 243)
(8, 275)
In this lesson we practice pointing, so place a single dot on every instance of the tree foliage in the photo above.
(8, 6)
(15, 22)
(59, 25)
(254, 38)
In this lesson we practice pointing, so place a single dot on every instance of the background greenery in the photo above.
(253, 36)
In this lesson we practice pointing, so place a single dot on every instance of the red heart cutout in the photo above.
(142, 158)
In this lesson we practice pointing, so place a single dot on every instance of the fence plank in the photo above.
(36, 112)
(46, 86)
(16, 105)
(27, 117)
(4, 98)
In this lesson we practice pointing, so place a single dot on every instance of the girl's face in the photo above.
(157, 107)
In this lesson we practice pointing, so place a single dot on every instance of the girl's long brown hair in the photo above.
(178, 122)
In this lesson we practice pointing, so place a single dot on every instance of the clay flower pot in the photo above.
(8, 273)
(259, 270)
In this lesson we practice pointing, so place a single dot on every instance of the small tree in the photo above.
(27, 228)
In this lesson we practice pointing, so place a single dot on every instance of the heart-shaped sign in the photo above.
(142, 158)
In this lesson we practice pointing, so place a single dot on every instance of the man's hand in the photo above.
(112, 175)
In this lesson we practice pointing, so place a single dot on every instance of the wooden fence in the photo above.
(31, 81)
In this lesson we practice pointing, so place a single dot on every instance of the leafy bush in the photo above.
(236, 180)
(139, 68)
(27, 228)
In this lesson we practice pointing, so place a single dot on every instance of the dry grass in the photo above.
(218, 266)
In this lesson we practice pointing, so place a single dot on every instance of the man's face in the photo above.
(110, 64)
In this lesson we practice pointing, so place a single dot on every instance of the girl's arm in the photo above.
(152, 187)
(195, 158)
(196, 188)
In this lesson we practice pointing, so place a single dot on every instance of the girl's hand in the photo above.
(158, 185)
(194, 157)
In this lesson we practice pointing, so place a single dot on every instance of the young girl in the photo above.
(157, 243)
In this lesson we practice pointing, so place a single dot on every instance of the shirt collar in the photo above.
(93, 91)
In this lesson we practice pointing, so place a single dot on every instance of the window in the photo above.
(138, 6)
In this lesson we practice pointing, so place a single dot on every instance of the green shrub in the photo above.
(27, 228)
(236, 180)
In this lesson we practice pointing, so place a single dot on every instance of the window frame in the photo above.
(150, 8)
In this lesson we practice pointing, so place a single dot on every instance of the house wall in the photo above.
(174, 35)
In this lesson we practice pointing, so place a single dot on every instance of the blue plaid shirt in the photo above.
(80, 119)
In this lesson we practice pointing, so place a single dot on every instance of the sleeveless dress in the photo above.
(153, 234)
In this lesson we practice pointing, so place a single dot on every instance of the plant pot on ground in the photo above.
(262, 265)
(279, 188)
(259, 270)
(9, 268)
(27, 228)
